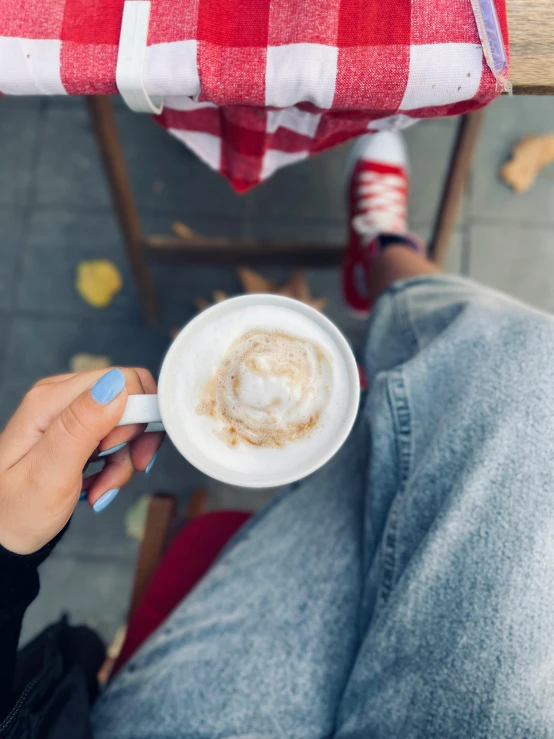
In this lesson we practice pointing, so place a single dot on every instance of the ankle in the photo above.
(409, 240)
(398, 261)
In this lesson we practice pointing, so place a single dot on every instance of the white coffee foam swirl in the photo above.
(270, 389)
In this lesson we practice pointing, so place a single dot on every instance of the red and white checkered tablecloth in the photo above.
(254, 85)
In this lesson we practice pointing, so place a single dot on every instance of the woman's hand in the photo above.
(62, 423)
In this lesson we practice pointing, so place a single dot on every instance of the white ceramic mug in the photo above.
(160, 411)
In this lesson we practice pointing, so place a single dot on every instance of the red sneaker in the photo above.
(378, 186)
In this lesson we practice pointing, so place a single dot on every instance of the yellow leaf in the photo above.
(98, 281)
(84, 362)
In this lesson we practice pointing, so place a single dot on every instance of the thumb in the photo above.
(73, 436)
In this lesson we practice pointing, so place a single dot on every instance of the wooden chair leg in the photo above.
(159, 520)
(107, 139)
(162, 522)
(197, 505)
(460, 162)
(161, 513)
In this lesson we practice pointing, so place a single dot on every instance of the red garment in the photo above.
(254, 85)
(187, 560)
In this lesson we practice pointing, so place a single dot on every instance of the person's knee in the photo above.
(482, 388)
(484, 335)
(517, 345)
(414, 313)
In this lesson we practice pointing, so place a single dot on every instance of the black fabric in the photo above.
(78, 645)
(19, 586)
(56, 685)
(47, 689)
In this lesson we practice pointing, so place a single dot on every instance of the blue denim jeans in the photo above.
(407, 588)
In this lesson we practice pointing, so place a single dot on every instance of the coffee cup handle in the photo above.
(143, 409)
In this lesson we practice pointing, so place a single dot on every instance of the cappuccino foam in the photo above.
(258, 390)
(269, 390)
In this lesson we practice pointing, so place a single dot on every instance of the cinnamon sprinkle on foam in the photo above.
(269, 390)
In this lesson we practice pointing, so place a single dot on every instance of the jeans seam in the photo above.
(402, 420)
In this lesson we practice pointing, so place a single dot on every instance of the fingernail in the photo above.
(108, 386)
(105, 500)
(151, 463)
(83, 495)
(112, 450)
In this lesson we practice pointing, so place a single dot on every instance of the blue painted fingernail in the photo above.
(83, 495)
(151, 463)
(108, 386)
(112, 450)
(105, 500)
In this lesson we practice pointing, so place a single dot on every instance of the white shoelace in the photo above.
(381, 203)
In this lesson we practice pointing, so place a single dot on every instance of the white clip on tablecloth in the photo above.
(131, 58)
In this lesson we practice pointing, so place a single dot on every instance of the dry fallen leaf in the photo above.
(201, 303)
(136, 516)
(98, 281)
(84, 362)
(112, 653)
(529, 156)
(297, 287)
(318, 303)
(252, 283)
(184, 232)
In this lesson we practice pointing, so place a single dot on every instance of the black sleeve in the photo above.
(19, 586)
